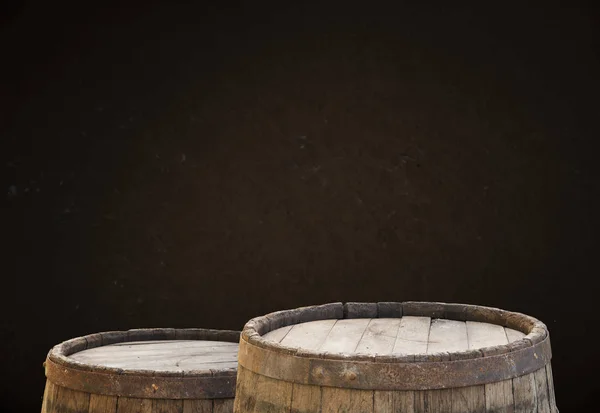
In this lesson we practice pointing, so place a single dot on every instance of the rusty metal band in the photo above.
(369, 375)
(141, 386)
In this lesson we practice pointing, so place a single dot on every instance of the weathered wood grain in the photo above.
(102, 404)
(222, 405)
(447, 336)
(404, 401)
(383, 401)
(306, 399)
(199, 406)
(513, 335)
(541, 388)
(272, 396)
(525, 394)
(71, 401)
(468, 399)
(345, 336)
(310, 335)
(499, 395)
(167, 406)
(134, 405)
(433, 401)
(413, 335)
(551, 395)
(49, 399)
(336, 400)
(379, 336)
(277, 335)
(182, 355)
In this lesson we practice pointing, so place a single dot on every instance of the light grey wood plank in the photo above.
(413, 335)
(524, 393)
(308, 335)
(163, 356)
(513, 335)
(498, 396)
(447, 335)
(345, 336)
(380, 336)
(464, 399)
(541, 389)
(277, 335)
(468, 399)
(485, 335)
(551, 395)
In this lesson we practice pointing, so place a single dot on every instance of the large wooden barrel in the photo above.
(143, 371)
(410, 357)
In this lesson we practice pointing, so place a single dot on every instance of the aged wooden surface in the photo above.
(406, 335)
(333, 362)
(160, 371)
(172, 355)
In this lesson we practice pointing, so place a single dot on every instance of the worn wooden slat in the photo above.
(513, 335)
(272, 395)
(551, 395)
(48, 402)
(169, 355)
(524, 393)
(223, 405)
(306, 398)
(245, 399)
(134, 405)
(71, 401)
(198, 406)
(308, 335)
(345, 336)
(468, 399)
(102, 404)
(499, 395)
(383, 401)
(336, 400)
(404, 401)
(541, 388)
(379, 337)
(433, 401)
(447, 336)
(277, 335)
(485, 335)
(413, 335)
(167, 406)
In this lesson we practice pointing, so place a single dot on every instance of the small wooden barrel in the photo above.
(143, 371)
(410, 357)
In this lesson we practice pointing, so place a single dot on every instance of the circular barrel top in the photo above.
(394, 345)
(164, 355)
(148, 363)
(409, 335)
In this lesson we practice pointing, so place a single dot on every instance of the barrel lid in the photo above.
(148, 363)
(394, 346)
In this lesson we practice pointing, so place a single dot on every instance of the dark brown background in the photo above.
(195, 166)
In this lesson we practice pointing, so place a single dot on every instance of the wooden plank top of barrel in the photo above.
(410, 357)
(143, 371)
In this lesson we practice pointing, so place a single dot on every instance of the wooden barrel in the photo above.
(143, 371)
(410, 357)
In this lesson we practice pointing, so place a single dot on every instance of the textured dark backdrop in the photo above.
(195, 166)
